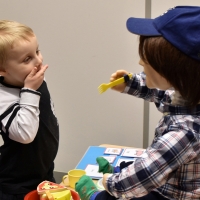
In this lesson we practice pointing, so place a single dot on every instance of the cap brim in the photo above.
(142, 26)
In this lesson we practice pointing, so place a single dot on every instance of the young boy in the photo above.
(28, 125)
(169, 49)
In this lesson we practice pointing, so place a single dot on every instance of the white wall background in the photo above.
(84, 41)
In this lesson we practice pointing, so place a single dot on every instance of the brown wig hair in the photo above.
(182, 72)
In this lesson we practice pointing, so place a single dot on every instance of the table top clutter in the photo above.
(82, 164)
(62, 195)
(51, 192)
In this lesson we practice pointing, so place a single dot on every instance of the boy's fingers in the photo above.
(33, 72)
(43, 69)
(40, 71)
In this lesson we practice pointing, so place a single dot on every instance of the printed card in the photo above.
(125, 160)
(133, 152)
(115, 151)
(92, 170)
(110, 159)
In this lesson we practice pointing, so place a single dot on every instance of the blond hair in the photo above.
(10, 32)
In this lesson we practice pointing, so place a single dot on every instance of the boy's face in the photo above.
(153, 78)
(21, 59)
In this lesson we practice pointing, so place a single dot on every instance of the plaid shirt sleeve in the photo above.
(137, 87)
(169, 164)
(155, 168)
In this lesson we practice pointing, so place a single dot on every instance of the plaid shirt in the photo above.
(171, 164)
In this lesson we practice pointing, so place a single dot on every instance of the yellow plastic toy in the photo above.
(63, 195)
(104, 86)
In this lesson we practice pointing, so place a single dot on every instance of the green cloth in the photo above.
(104, 165)
(85, 187)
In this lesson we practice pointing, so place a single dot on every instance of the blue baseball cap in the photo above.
(179, 25)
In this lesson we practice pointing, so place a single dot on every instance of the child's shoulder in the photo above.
(8, 96)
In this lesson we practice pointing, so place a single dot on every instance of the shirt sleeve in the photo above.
(22, 120)
(136, 86)
(158, 165)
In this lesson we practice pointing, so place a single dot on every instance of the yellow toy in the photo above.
(53, 191)
(104, 86)
(63, 195)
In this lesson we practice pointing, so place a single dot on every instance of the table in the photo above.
(117, 146)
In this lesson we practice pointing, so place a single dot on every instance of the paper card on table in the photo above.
(133, 152)
(125, 160)
(115, 151)
(110, 159)
(92, 170)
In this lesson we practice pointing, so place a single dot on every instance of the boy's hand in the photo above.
(35, 78)
(116, 75)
